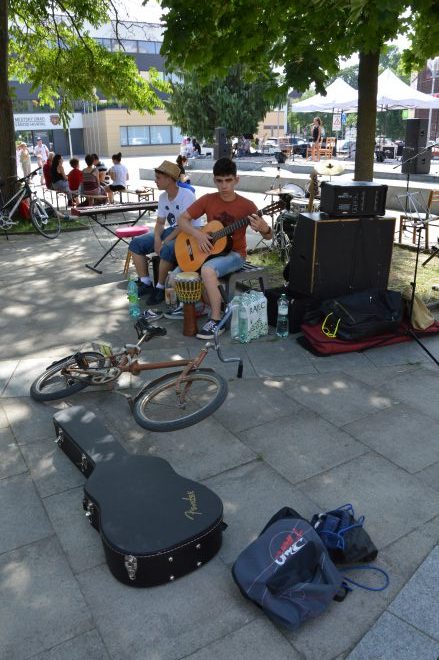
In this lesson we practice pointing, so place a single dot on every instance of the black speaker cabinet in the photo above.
(336, 256)
(221, 148)
(416, 133)
(419, 165)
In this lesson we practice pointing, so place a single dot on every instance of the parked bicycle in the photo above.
(44, 217)
(170, 402)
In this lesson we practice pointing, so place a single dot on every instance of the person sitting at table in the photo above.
(172, 202)
(90, 180)
(47, 170)
(74, 178)
(59, 178)
(119, 176)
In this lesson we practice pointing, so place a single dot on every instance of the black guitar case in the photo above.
(154, 524)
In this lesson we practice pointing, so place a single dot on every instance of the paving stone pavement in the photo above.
(311, 433)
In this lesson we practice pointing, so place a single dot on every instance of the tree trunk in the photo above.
(367, 110)
(8, 162)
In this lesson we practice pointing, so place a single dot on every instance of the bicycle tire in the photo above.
(44, 218)
(150, 417)
(37, 387)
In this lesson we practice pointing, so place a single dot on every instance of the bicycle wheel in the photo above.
(63, 378)
(44, 218)
(157, 407)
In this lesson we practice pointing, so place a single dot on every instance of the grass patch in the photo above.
(401, 271)
(26, 227)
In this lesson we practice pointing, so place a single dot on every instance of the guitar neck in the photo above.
(226, 231)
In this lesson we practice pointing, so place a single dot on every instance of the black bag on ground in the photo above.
(344, 536)
(299, 307)
(364, 314)
(287, 571)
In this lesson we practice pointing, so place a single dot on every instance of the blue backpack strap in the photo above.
(367, 568)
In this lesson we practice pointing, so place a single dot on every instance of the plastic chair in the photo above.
(130, 232)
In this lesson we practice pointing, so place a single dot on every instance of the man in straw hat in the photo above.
(172, 203)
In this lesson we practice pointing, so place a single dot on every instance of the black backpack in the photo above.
(362, 314)
(287, 571)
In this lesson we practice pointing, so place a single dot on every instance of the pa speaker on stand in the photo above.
(222, 148)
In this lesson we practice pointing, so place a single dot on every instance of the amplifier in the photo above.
(353, 199)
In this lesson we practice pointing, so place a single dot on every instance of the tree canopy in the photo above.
(305, 38)
(198, 107)
(48, 46)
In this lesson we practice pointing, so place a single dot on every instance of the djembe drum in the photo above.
(188, 287)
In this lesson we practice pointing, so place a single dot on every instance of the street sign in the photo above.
(343, 118)
(336, 122)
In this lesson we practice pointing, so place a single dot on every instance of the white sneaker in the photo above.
(152, 314)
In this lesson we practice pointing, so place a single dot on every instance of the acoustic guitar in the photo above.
(191, 258)
(155, 525)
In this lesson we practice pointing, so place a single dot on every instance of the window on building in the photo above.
(106, 43)
(177, 135)
(132, 136)
(129, 45)
(147, 47)
(160, 135)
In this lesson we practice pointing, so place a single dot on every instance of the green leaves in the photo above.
(59, 59)
(233, 102)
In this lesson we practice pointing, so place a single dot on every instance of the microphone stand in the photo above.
(419, 226)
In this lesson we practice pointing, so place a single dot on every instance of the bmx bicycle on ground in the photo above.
(44, 217)
(173, 401)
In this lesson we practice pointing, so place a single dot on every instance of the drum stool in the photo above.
(130, 232)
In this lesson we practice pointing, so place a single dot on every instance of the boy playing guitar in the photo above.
(227, 207)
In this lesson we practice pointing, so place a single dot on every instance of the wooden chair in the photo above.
(328, 150)
(410, 220)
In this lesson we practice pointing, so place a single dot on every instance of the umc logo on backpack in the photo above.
(291, 544)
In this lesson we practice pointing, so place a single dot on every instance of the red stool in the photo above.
(130, 232)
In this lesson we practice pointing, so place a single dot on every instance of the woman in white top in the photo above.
(119, 176)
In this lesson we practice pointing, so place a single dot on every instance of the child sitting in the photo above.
(74, 178)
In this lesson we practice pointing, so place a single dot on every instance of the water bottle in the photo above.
(234, 324)
(133, 297)
(282, 316)
(170, 293)
(243, 322)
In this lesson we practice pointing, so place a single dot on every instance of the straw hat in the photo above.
(170, 169)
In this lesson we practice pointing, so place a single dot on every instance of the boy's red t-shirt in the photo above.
(216, 208)
(75, 179)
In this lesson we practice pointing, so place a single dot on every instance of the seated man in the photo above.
(172, 202)
(227, 207)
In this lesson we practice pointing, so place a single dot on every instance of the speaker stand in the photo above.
(411, 331)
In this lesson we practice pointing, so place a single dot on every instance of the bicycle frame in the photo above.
(127, 361)
(12, 204)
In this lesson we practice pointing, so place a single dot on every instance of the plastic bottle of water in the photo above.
(170, 293)
(234, 324)
(133, 297)
(282, 316)
(243, 322)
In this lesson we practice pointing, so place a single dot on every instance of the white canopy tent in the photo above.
(393, 93)
(339, 96)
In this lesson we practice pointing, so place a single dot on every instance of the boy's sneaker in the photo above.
(176, 313)
(144, 289)
(152, 314)
(157, 297)
(207, 331)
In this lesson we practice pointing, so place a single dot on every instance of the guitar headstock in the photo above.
(273, 208)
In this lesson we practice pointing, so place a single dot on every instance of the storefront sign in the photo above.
(46, 121)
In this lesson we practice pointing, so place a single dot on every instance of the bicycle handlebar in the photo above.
(227, 314)
(29, 176)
